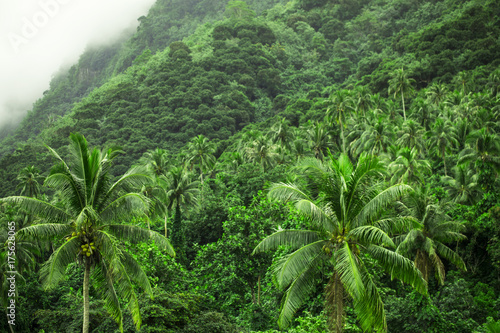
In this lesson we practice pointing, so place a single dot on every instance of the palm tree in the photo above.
(262, 151)
(201, 152)
(157, 161)
(423, 112)
(442, 139)
(281, 133)
(485, 153)
(300, 149)
(400, 84)
(88, 224)
(362, 100)
(432, 229)
(408, 167)
(463, 129)
(463, 187)
(437, 94)
(181, 192)
(30, 179)
(464, 79)
(319, 139)
(345, 227)
(410, 135)
(494, 83)
(377, 136)
(340, 104)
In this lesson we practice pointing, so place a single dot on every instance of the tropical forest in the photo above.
(262, 166)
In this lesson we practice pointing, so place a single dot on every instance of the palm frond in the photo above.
(287, 192)
(134, 178)
(370, 308)
(103, 279)
(347, 265)
(292, 238)
(398, 225)
(125, 206)
(371, 235)
(379, 202)
(39, 208)
(450, 255)
(136, 273)
(69, 187)
(126, 290)
(290, 266)
(55, 268)
(136, 234)
(297, 293)
(44, 231)
(399, 267)
(304, 204)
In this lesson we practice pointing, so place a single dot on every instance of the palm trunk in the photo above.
(166, 234)
(342, 133)
(258, 291)
(404, 111)
(178, 238)
(86, 278)
(444, 162)
(335, 304)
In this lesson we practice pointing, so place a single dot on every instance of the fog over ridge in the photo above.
(38, 37)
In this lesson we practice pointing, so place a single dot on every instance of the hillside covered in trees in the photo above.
(264, 166)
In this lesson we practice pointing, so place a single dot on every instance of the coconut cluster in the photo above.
(88, 249)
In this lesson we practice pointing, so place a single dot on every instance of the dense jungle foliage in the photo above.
(315, 165)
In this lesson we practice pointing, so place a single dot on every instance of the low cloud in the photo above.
(38, 37)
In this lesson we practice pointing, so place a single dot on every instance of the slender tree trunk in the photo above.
(166, 234)
(403, 99)
(335, 304)
(10, 326)
(178, 238)
(86, 278)
(342, 133)
(444, 162)
(258, 291)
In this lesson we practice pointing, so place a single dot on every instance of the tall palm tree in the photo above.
(157, 161)
(436, 94)
(485, 153)
(432, 229)
(30, 179)
(319, 139)
(424, 112)
(263, 152)
(463, 187)
(201, 152)
(362, 100)
(345, 228)
(442, 139)
(494, 82)
(410, 135)
(464, 80)
(181, 192)
(375, 137)
(340, 105)
(281, 133)
(89, 220)
(408, 168)
(400, 84)
(463, 129)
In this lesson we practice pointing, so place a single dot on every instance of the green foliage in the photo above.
(236, 93)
